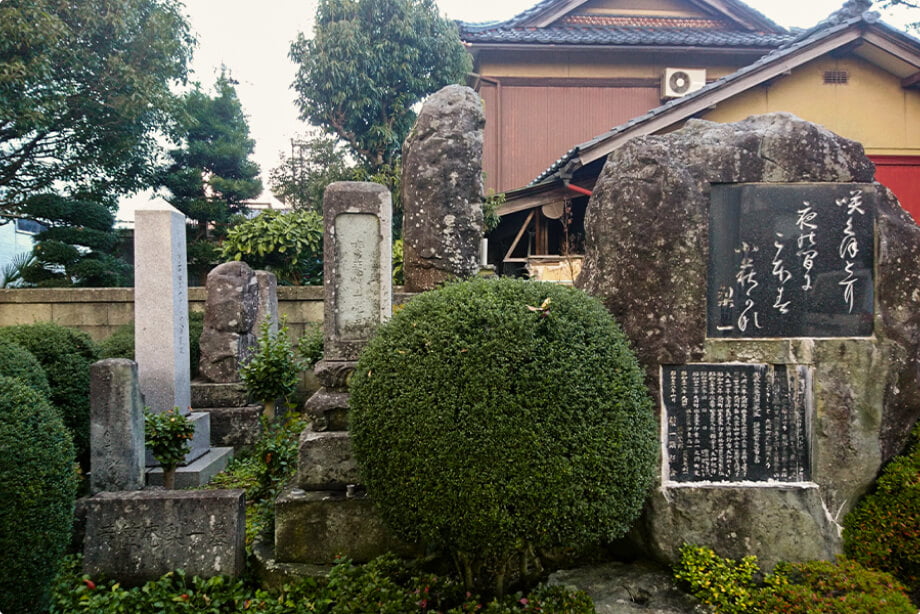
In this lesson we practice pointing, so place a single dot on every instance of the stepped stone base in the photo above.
(234, 426)
(197, 473)
(273, 575)
(234, 421)
(316, 527)
(201, 443)
(207, 394)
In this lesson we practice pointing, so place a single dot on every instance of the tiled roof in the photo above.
(524, 18)
(645, 22)
(837, 22)
(597, 35)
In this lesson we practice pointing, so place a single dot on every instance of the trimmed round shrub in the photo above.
(16, 361)
(883, 531)
(498, 417)
(37, 491)
(66, 355)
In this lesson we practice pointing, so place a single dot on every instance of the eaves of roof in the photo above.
(826, 37)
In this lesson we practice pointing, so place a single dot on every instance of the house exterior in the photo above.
(851, 73)
(565, 71)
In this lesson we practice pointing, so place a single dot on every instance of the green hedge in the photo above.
(884, 530)
(120, 344)
(66, 355)
(16, 361)
(814, 587)
(37, 490)
(493, 417)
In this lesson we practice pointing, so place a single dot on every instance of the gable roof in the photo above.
(728, 23)
(851, 27)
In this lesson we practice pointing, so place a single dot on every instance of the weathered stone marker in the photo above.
(116, 426)
(161, 346)
(358, 286)
(325, 515)
(230, 313)
(769, 288)
(139, 536)
(442, 190)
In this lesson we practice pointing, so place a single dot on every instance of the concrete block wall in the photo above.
(100, 311)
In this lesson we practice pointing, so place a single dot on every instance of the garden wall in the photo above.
(99, 311)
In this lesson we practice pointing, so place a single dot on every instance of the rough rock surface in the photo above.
(442, 190)
(230, 313)
(618, 588)
(647, 258)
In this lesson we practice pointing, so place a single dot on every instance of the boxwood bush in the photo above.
(66, 355)
(16, 361)
(884, 530)
(37, 490)
(495, 418)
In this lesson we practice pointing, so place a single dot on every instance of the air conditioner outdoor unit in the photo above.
(679, 82)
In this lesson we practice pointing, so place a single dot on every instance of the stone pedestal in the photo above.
(234, 421)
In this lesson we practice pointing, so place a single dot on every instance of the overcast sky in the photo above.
(252, 40)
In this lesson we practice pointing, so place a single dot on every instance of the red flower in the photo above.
(89, 584)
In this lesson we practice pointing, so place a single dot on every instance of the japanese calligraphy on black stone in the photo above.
(734, 423)
(791, 260)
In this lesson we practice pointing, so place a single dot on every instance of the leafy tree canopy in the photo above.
(368, 63)
(314, 163)
(211, 175)
(83, 87)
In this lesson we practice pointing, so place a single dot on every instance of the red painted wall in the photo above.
(902, 176)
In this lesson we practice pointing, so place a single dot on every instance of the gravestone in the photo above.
(161, 346)
(325, 514)
(116, 426)
(161, 335)
(769, 289)
(442, 190)
(230, 313)
(138, 536)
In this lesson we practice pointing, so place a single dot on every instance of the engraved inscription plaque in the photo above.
(792, 260)
(736, 422)
(357, 258)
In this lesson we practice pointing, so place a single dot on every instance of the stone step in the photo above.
(207, 394)
(197, 473)
(234, 426)
(316, 527)
(201, 442)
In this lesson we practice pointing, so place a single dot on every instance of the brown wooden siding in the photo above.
(534, 126)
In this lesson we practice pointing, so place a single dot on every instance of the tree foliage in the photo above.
(78, 248)
(302, 177)
(289, 244)
(368, 63)
(211, 175)
(83, 88)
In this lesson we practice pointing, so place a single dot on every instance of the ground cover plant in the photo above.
(496, 419)
(385, 586)
(883, 531)
(37, 491)
(815, 587)
(65, 355)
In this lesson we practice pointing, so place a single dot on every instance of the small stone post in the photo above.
(116, 427)
(161, 307)
(442, 190)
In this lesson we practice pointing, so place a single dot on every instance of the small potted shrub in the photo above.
(273, 370)
(168, 435)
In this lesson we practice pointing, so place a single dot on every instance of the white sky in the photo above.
(252, 40)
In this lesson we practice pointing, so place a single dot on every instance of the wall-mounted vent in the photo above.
(836, 77)
(679, 82)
